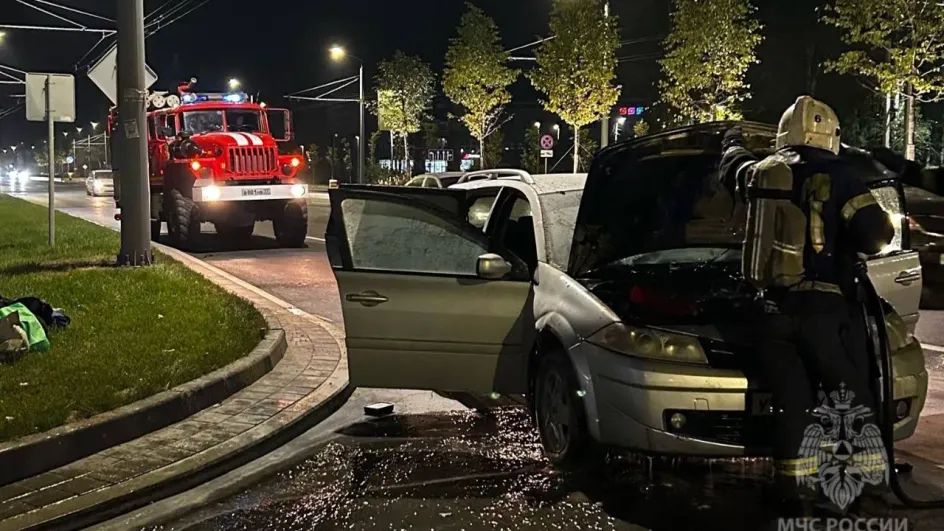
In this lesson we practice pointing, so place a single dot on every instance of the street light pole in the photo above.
(605, 129)
(132, 95)
(361, 138)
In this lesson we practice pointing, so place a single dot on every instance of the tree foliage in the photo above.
(894, 43)
(588, 148)
(494, 152)
(708, 52)
(866, 129)
(576, 69)
(531, 154)
(641, 128)
(405, 89)
(476, 77)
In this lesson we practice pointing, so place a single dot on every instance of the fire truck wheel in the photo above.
(180, 211)
(233, 232)
(291, 226)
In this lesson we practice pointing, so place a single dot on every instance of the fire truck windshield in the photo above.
(203, 121)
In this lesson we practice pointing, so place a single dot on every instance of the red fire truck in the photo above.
(212, 158)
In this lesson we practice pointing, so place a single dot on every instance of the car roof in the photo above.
(541, 183)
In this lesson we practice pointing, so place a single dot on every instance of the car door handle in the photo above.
(367, 298)
(906, 278)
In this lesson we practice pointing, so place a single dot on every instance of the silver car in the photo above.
(611, 301)
(100, 183)
(435, 180)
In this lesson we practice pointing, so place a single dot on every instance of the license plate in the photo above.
(255, 192)
(762, 404)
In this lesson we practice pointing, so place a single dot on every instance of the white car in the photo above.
(612, 301)
(100, 183)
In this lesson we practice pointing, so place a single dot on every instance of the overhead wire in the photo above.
(50, 13)
(73, 10)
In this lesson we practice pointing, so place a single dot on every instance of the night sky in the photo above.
(280, 46)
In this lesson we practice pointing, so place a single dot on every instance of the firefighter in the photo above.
(810, 217)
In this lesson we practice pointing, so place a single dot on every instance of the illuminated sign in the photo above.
(631, 111)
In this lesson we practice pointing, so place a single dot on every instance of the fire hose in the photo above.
(882, 355)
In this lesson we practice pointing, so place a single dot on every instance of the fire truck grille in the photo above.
(255, 161)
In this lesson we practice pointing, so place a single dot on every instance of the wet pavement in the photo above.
(460, 470)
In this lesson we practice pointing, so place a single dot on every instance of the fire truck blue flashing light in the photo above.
(234, 97)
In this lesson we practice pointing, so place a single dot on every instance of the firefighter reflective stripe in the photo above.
(855, 204)
(816, 190)
(804, 466)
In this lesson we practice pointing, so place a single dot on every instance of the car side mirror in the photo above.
(492, 267)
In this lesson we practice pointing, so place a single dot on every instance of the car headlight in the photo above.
(649, 343)
(299, 190)
(211, 193)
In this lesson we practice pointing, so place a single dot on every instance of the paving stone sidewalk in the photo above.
(312, 371)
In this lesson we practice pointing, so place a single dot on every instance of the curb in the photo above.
(41, 452)
(102, 505)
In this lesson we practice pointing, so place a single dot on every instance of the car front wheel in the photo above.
(559, 412)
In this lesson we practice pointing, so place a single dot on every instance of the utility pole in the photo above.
(50, 120)
(361, 139)
(605, 129)
(132, 95)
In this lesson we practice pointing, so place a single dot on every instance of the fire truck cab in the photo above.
(212, 158)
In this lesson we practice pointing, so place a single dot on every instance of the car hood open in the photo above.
(621, 197)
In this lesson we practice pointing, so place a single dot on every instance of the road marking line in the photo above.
(934, 348)
(322, 241)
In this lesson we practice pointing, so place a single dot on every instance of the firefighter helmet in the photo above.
(809, 122)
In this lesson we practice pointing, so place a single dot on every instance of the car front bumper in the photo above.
(634, 399)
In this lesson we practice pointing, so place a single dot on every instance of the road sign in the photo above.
(547, 153)
(61, 97)
(70, 159)
(104, 74)
(547, 142)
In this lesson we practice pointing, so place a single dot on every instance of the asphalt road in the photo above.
(435, 464)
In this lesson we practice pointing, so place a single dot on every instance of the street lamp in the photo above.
(618, 127)
(234, 83)
(537, 125)
(557, 130)
(79, 130)
(338, 53)
(94, 125)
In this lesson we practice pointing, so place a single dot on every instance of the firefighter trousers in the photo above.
(814, 343)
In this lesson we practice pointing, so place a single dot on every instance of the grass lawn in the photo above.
(134, 332)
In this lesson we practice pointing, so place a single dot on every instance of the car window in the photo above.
(416, 181)
(393, 236)
(431, 182)
(480, 209)
(560, 217)
(515, 230)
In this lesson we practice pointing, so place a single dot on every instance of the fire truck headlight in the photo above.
(195, 165)
(299, 190)
(211, 193)
(296, 162)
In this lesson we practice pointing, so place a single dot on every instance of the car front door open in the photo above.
(418, 313)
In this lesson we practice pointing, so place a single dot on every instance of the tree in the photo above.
(476, 77)
(313, 153)
(405, 89)
(332, 156)
(704, 70)
(494, 150)
(898, 48)
(575, 70)
(588, 148)
(866, 128)
(640, 128)
(531, 155)
(347, 161)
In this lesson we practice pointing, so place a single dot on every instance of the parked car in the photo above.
(100, 183)
(926, 221)
(435, 180)
(613, 301)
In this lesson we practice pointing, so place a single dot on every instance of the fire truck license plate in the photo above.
(254, 192)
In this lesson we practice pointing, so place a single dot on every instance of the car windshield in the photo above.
(560, 216)
(203, 121)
